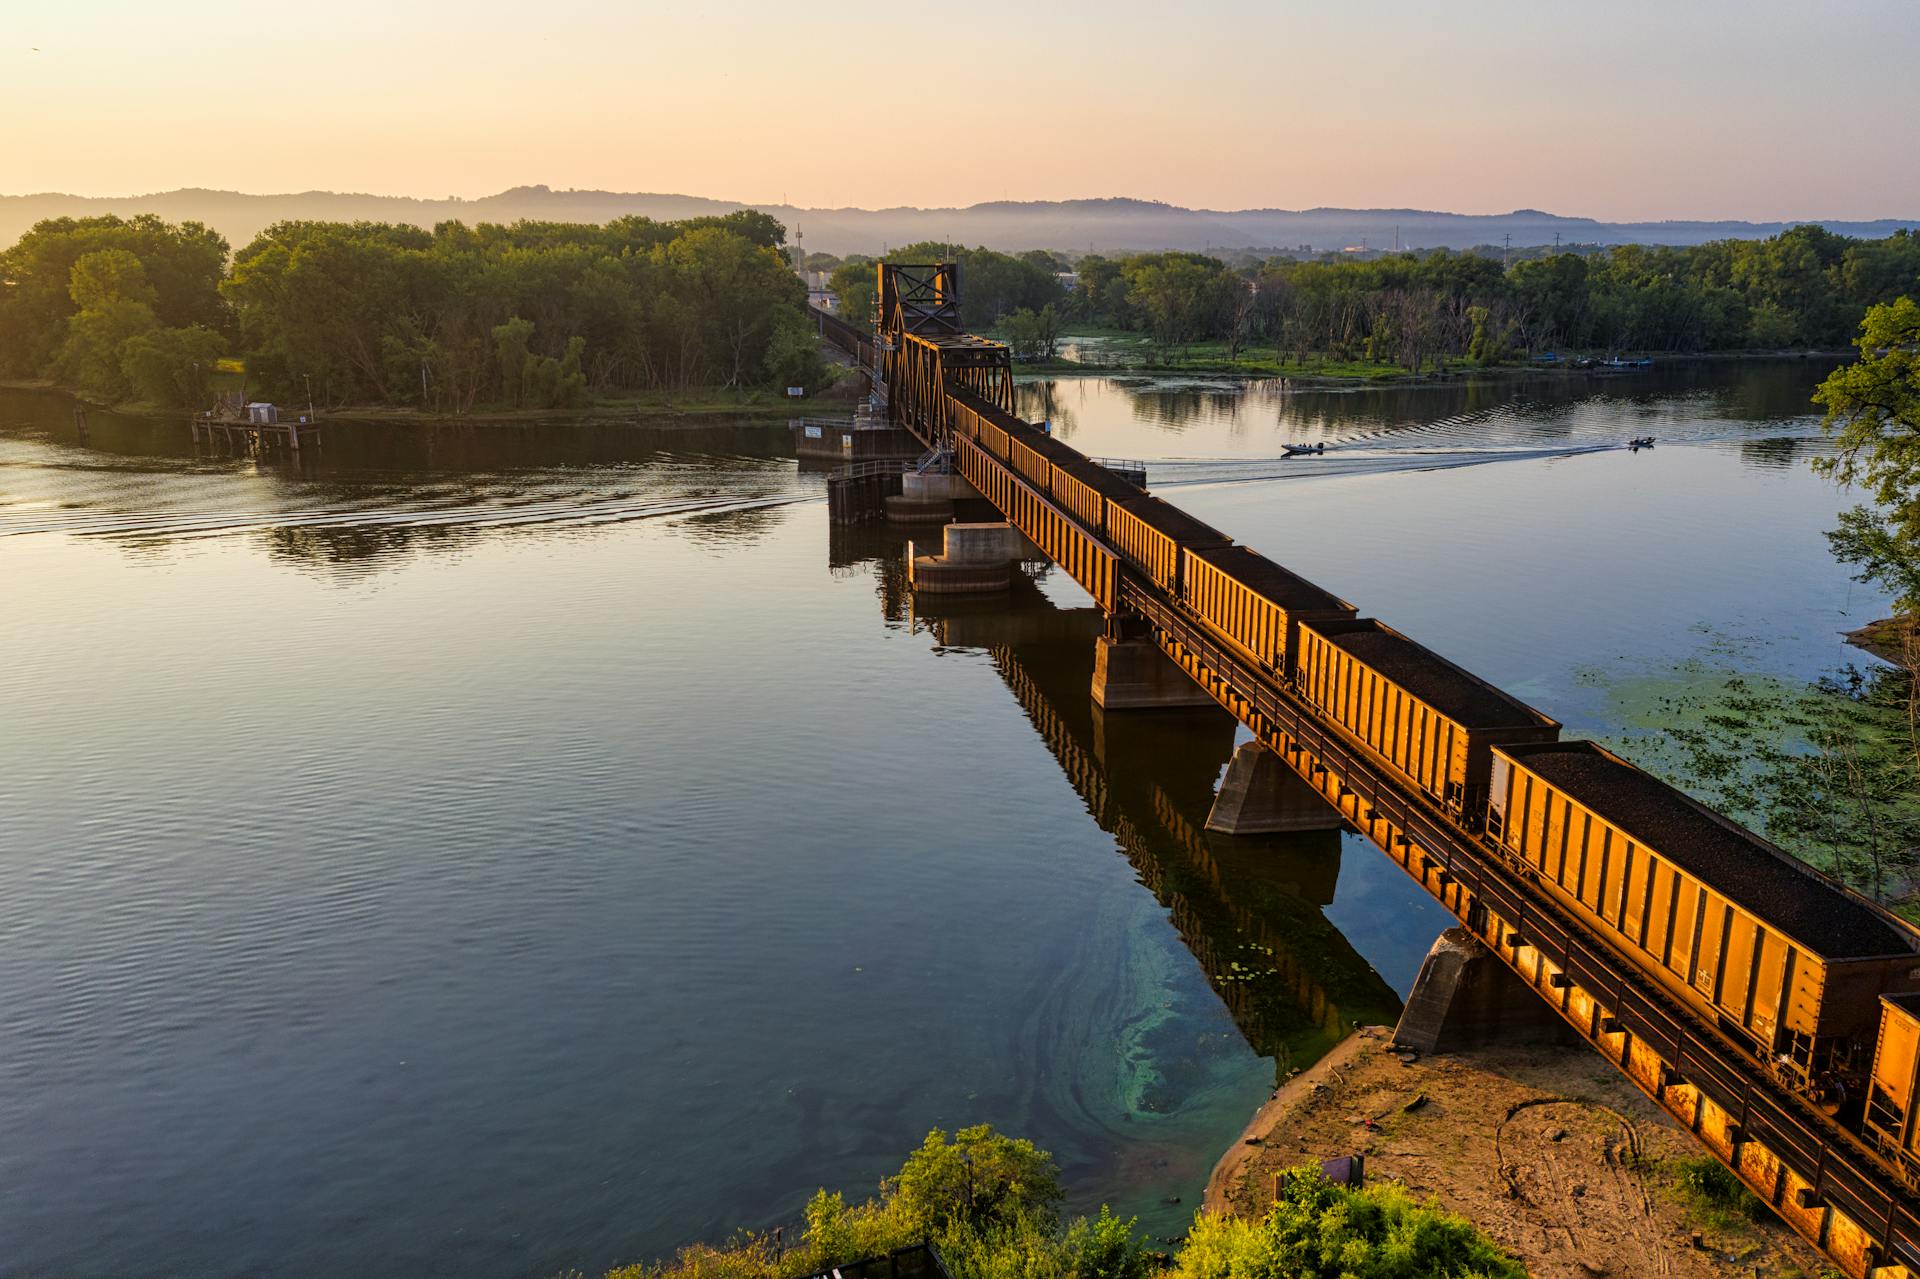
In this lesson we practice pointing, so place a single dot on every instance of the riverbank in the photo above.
(1891, 639)
(695, 408)
(1547, 1149)
(1131, 354)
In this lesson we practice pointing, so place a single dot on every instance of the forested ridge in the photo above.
(1805, 288)
(448, 320)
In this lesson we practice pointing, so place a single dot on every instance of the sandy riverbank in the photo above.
(1547, 1149)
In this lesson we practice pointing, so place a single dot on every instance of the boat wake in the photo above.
(41, 519)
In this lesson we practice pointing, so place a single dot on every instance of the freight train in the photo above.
(1818, 985)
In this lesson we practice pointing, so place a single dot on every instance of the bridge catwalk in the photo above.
(1823, 1180)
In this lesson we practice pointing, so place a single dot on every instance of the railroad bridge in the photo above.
(1192, 618)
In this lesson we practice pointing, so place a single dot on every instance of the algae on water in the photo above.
(1829, 770)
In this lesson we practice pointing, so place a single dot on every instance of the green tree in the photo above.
(854, 286)
(114, 304)
(1033, 335)
(172, 367)
(182, 265)
(990, 1203)
(513, 357)
(1873, 413)
(1171, 292)
(736, 287)
(978, 1178)
(793, 353)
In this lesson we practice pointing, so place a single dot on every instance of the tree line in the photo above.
(1804, 288)
(528, 315)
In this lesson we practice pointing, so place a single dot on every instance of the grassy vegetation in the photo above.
(990, 1204)
(1715, 1198)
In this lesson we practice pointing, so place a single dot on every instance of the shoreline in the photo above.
(1232, 1167)
(1888, 639)
(1400, 377)
(693, 410)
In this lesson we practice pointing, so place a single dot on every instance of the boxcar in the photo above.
(1084, 487)
(1150, 534)
(1427, 719)
(1254, 603)
(1890, 1122)
(1755, 938)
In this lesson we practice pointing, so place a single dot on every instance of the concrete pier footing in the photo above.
(975, 559)
(929, 498)
(1465, 997)
(1136, 675)
(1262, 796)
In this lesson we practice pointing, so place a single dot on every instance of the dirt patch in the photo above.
(1547, 1149)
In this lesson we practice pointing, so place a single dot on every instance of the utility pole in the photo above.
(1506, 250)
(1556, 242)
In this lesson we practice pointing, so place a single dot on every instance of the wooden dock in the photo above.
(240, 435)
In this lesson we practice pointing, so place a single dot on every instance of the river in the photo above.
(494, 850)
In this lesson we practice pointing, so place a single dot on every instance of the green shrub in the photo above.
(1713, 1189)
(1318, 1230)
(990, 1204)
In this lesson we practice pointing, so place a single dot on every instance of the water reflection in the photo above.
(1249, 909)
(1510, 413)
(1777, 452)
(371, 495)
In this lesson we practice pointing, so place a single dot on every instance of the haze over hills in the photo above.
(1103, 225)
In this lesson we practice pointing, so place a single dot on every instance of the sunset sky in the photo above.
(1682, 109)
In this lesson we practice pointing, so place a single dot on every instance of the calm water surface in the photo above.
(495, 851)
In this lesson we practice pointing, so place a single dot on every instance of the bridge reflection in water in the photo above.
(1249, 908)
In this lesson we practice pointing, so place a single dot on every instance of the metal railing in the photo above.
(865, 470)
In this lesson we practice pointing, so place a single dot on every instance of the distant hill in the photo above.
(1102, 225)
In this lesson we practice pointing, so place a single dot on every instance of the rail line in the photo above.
(1819, 1177)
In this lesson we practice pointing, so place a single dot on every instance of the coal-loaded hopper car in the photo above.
(1427, 720)
(1151, 534)
(1085, 487)
(1778, 955)
(1891, 1122)
(1255, 604)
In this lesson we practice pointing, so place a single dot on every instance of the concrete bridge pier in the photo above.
(928, 498)
(1465, 997)
(975, 559)
(1262, 796)
(1133, 675)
